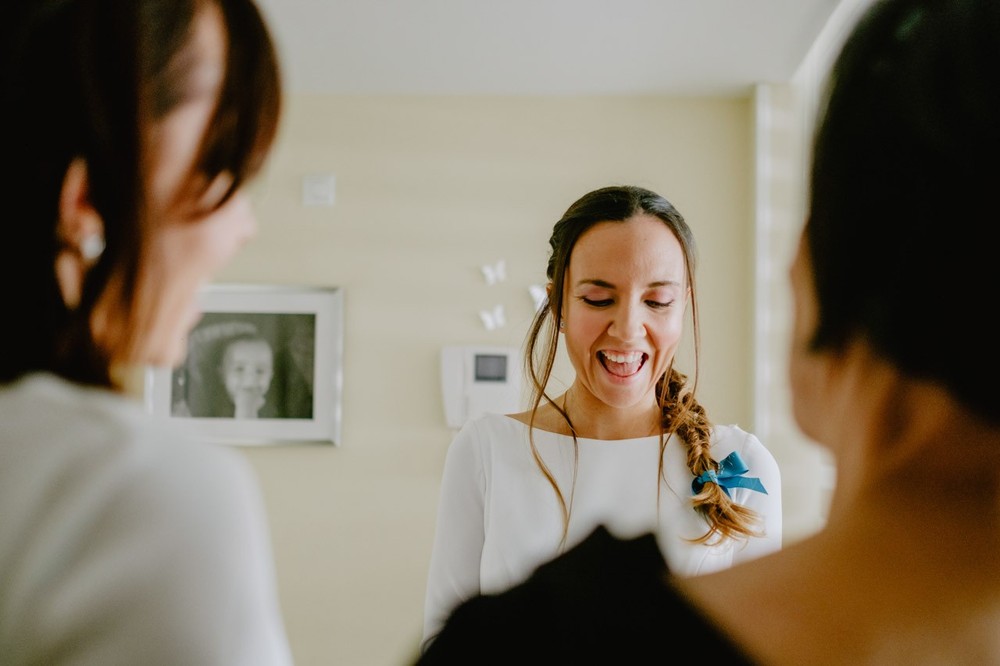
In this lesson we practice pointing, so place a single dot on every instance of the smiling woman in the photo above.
(627, 446)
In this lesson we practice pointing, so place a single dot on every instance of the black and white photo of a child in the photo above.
(247, 369)
(247, 365)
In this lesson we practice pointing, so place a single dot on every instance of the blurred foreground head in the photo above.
(128, 128)
(902, 227)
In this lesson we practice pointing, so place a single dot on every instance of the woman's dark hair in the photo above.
(86, 79)
(682, 415)
(902, 222)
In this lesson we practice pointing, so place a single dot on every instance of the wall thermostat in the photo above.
(478, 380)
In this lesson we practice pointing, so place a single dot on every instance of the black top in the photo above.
(604, 601)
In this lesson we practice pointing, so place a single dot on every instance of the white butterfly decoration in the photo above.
(495, 273)
(493, 318)
(537, 292)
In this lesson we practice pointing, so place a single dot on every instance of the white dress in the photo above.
(498, 518)
(124, 541)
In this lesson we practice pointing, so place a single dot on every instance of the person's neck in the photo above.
(919, 448)
(594, 419)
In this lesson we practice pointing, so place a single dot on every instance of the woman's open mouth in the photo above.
(622, 364)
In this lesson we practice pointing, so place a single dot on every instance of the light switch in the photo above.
(318, 189)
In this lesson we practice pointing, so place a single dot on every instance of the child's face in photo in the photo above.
(247, 368)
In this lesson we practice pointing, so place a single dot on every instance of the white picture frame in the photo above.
(304, 328)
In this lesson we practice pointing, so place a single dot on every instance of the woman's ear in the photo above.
(80, 231)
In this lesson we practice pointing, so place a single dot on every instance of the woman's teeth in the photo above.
(622, 364)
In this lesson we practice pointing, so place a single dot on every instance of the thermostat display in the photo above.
(491, 368)
(476, 380)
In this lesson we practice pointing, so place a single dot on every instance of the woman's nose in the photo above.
(628, 322)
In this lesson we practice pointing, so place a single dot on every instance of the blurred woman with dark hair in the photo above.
(131, 127)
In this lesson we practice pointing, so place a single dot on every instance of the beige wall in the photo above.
(429, 189)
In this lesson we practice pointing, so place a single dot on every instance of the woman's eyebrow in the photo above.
(604, 284)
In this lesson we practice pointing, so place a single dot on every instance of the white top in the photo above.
(123, 541)
(498, 517)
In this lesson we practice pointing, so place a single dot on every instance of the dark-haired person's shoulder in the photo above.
(606, 599)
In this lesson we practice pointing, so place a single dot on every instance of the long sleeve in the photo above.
(459, 534)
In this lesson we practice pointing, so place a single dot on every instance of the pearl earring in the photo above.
(91, 247)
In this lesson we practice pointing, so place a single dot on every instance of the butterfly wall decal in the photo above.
(494, 273)
(493, 318)
(538, 294)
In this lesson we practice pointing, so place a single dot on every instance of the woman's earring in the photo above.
(562, 324)
(92, 247)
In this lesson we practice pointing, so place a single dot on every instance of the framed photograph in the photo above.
(264, 366)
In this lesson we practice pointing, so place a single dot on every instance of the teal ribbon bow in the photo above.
(730, 475)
